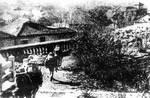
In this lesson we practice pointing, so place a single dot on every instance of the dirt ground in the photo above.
(56, 89)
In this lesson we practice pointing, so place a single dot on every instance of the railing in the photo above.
(40, 48)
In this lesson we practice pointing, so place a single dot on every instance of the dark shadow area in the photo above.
(67, 82)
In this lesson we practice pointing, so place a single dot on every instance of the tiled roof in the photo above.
(14, 27)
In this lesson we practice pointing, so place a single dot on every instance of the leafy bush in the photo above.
(103, 62)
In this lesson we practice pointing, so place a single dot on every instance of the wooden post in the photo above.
(31, 50)
(24, 52)
(28, 51)
(12, 59)
(34, 51)
(40, 50)
(46, 50)
(43, 50)
(37, 51)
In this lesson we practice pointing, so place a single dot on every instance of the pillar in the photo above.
(12, 59)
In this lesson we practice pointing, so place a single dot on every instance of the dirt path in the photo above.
(54, 89)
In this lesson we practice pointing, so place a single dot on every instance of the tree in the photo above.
(102, 60)
(99, 17)
(50, 16)
(120, 19)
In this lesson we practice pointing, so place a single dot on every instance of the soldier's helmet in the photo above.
(50, 53)
(57, 48)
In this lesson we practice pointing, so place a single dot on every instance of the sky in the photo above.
(68, 3)
(8, 13)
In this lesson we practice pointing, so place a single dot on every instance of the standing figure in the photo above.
(51, 63)
(58, 54)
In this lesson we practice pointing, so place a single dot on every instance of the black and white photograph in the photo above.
(74, 49)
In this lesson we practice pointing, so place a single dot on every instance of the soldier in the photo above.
(50, 63)
(58, 55)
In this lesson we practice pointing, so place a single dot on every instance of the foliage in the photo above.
(98, 16)
(75, 15)
(48, 21)
(50, 15)
(79, 15)
(120, 19)
(104, 64)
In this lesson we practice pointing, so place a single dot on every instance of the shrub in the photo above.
(102, 60)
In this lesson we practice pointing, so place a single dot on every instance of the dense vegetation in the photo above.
(104, 65)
